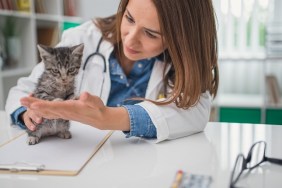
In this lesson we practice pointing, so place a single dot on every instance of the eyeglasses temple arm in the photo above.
(274, 160)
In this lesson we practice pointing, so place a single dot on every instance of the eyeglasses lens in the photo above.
(238, 168)
(257, 154)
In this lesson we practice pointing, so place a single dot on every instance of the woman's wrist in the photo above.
(116, 118)
(21, 117)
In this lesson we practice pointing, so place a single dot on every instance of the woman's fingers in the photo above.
(42, 108)
(85, 109)
(34, 116)
(28, 121)
(51, 109)
(91, 100)
(47, 109)
(27, 101)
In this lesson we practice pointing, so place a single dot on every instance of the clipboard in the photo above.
(53, 155)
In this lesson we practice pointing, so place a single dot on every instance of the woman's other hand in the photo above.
(31, 118)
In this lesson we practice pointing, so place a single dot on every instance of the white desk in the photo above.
(140, 163)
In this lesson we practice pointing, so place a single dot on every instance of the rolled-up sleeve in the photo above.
(141, 124)
(15, 116)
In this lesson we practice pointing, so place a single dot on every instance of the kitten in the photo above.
(62, 64)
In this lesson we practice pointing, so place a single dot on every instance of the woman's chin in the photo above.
(132, 57)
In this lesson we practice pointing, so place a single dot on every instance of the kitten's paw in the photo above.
(64, 135)
(32, 140)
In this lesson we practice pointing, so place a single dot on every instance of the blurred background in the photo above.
(250, 49)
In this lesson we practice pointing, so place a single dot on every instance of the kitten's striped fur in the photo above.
(62, 64)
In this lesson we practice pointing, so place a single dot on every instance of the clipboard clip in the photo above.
(22, 166)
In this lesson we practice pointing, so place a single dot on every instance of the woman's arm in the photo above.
(172, 122)
(88, 109)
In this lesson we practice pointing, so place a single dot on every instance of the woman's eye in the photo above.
(129, 19)
(150, 35)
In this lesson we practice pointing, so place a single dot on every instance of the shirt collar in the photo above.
(115, 68)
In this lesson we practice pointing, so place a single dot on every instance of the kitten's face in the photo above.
(62, 63)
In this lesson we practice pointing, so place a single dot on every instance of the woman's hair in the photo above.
(189, 29)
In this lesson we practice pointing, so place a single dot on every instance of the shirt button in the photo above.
(121, 77)
(140, 65)
(118, 105)
(127, 85)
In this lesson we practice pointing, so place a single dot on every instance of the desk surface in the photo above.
(137, 162)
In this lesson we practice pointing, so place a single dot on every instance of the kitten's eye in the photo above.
(71, 70)
(55, 71)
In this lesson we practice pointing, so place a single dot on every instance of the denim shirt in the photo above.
(134, 85)
(124, 87)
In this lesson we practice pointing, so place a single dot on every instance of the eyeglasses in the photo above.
(256, 156)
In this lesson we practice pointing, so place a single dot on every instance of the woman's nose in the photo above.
(132, 37)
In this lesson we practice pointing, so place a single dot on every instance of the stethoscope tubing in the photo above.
(96, 53)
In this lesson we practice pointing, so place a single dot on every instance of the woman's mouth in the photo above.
(131, 51)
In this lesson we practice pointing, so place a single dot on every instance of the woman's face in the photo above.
(140, 30)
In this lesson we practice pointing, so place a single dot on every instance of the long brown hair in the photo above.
(189, 29)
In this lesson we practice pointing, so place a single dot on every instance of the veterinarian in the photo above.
(150, 71)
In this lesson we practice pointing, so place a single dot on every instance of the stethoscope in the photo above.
(96, 53)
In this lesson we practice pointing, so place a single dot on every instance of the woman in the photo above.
(163, 52)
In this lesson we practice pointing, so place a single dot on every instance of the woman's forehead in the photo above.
(144, 13)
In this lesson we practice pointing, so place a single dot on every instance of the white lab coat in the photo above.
(171, 122)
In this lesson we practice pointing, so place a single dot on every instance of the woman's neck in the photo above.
(126, 64)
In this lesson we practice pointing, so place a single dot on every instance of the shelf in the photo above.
(58, 19)
(240, 100)
(15, 13)
(15, 72)
(49, 17)
(274, 106)
(239, 108)
(247, 58)
(273, 116)
(242, 57)
(73, 19)
(240, 115)
(242, 108)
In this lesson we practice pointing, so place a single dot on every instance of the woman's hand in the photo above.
(31, 119)
(88, 109)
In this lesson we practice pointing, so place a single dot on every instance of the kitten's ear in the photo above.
(78, 49)
(45, 52)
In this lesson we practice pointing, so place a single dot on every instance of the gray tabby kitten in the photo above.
(62, 64)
